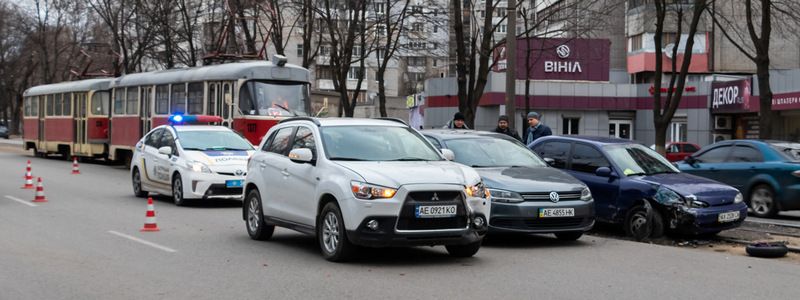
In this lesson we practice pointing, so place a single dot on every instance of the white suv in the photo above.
(369, 182)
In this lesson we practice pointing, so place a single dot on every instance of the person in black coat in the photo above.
(502, 127)
(537, 129)
(457, 122)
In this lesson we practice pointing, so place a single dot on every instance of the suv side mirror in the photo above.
(448, 154)
(604, 172)
(549, 161)
(301, 155)
(166, 150)
(690, 160)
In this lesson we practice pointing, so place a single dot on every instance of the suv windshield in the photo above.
(274, 98)
(212, 140)
(376, 143)
(635, 159)
(791, 151)
(492, 152)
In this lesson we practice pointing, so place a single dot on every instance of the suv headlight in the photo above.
(368, 191)
(586, 194)
(198, 167)
(739, 198)
(477, 190)
(505, 196)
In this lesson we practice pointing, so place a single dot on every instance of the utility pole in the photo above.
(511, 64)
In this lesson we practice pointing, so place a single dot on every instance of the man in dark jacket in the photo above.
(536, 129)
(502, 127)
(457, 122)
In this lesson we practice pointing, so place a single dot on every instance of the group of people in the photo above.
(536, 128)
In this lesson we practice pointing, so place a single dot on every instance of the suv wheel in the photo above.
(136, 179)
(177, 190)
(256, 227)
(467, 250)
(762, 201)
(332, 236)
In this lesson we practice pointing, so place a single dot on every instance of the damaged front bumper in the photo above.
(705, 220)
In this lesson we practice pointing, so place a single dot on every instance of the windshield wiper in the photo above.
(286, 109)
(347, 158)
(194, 149)
(410, 159)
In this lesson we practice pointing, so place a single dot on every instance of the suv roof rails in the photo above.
(310, 119)
(392, 119)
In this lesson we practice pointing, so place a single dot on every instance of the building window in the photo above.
(501, 28)
(299, 50)
(678, 130)
(416, 61)
(380, 8)
(355, 73)
(635, 43)
(482, 13)
(417, 27)
(435, 28)
(381, 29)
(380, 53)
(416, 9)
(324, 72)
(417, 45)
(416, 77)
(325, 50)
(571, 126)
(357, 51)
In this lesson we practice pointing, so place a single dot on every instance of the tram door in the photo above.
(40, 145)
(145, 113)
(79, 114)
(227, 104)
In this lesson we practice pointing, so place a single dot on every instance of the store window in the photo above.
(570, 126)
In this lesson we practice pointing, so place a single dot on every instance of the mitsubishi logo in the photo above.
(239, 172)
(554, 197)
(435, 197)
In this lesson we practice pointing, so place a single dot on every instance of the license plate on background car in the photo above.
(435, 211)
(728, 217)
(233, 183)
(556, 212)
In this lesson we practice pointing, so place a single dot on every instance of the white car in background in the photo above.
(365, 182)
(190, 162)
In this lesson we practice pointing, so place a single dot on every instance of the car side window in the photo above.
(587, 159)
(434, 142)
(304, 138)
(558, 151)
(279, 142)
(674, 148)
(689, 148)
(745, 154)
(715, 155)
(154, 139)
(168, 140)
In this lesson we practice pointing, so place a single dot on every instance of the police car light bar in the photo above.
(194, 119)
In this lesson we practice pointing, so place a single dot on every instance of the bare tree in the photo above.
(391, 26)
(664, 108)
(131, 34)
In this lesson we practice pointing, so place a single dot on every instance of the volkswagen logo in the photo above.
(563, 51)
(435, 197)
(554, 197)
(239, 172)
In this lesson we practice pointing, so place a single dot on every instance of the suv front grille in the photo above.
(545, 196)
(408, 220)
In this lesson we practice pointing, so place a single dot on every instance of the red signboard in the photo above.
(785, 101)
(559, 59)
(731, 97)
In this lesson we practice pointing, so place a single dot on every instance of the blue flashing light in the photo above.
(176, 119)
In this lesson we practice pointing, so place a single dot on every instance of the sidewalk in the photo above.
(12, 141)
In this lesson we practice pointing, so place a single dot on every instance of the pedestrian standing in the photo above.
(536, 129)
(457, 122)
(502, 127)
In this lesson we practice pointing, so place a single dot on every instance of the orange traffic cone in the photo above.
(150, 220)
(39, 192)
(28, 177)
(27, 168)
(75, 169)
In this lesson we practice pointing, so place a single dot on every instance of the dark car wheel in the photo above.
(467, 250)
(762, 201)
(569, 236)
(332, 236)
(642, 225)
(256, 227)
(177, 191)
(136, 179)
(767, 250)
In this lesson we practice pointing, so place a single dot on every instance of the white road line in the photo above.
(148, 243)
(28, 203)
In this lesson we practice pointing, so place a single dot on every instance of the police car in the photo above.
(190, 161)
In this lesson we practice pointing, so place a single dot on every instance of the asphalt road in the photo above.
(85, 244)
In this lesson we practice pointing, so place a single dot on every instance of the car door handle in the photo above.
(262, 165)
(285, 172)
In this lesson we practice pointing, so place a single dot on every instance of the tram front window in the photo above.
(274, 98)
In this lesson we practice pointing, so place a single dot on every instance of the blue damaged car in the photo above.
(634, 186)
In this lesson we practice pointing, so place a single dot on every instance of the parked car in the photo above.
(678, 151)
(365, 182)
(766, 172)
(3, 131)
(527, 195)
(635, 186)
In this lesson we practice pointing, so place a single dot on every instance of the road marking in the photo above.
(21, 201)
(148, 243)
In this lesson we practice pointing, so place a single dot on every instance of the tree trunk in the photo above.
(381, 93)
(765, 100)
(661, 136)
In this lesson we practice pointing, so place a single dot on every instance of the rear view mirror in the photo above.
(603, 172)
(549, 161)
(166, 150)
(448, 154)
(301, 155)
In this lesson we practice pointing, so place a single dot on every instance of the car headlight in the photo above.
(198, 167)
(739, 198)
(477, 190)
(667, 196)
(505, 196)
(586, 194)
(370, 191)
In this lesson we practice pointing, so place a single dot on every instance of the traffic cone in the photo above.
(28, 177)
(39, 192)
(75, 169)
(28, 168)
(150, 220)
